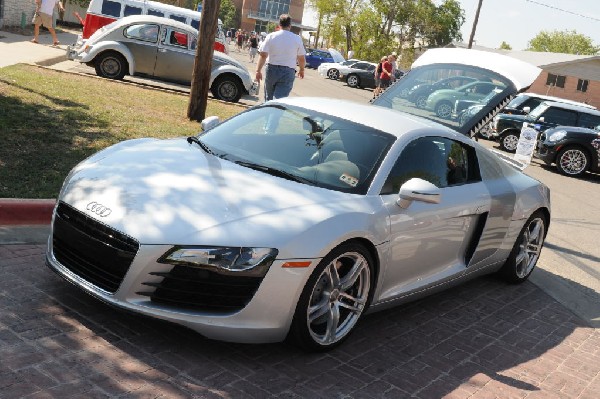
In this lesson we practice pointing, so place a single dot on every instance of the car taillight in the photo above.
(220, 47)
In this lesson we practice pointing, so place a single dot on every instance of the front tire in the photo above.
(572, 161)
(334, 298)
(111, 65)
(353, 81)
(421, 101)
(526, 251)
(443, 109)
(509, 141)
(227, 88)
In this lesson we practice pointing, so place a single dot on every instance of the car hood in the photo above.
(172, 192)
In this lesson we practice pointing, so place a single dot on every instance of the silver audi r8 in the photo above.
(294, 218)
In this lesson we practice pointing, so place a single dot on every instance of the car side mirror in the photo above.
(541, 119)
(209, 123)
(418, 190)
(526, 109)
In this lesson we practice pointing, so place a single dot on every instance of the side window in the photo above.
(177, 39)
(156, 13)
(532, 103)
(129, 10)
(589, 121)
(145, 32)
(196, 24)
(178, 18)
(111, 8)
(438, 160)
(560, 116)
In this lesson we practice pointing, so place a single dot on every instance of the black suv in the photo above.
(507, 128)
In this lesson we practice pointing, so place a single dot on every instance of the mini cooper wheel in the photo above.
(111, 65)
(227, 88)
(421, 102)
(572, 161)
(353, 81)
(526, 251)
(509, 141)
(333, 74)
(443, 109)
(335, 296)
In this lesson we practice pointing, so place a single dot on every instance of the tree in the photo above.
(505, 46)
(228, 14)
(569, 42)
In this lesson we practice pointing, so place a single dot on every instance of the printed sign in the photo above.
(526, 144)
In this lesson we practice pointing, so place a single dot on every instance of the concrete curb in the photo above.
(17, 211)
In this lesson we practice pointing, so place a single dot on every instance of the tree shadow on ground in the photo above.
(482, 338)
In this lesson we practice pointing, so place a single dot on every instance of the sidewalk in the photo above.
(16, 48)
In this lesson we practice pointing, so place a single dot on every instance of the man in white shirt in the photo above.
(44, 10)
(281, 51)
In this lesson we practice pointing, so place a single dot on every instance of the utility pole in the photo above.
(475, 24)
(202, 63)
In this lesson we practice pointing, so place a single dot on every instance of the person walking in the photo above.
(378, 70)
(385, 79)
(280, 51)
(44, 10)
(253, 41)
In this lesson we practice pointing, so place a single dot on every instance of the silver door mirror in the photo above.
(541, 119)
(418, 190)
(209, 123)
(526, 109)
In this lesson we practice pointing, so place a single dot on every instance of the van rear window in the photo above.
(129, 10)
(178, 18)
(111, 8)
(156, 13)
(195, 24)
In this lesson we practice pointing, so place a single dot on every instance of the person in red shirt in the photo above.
(385, 79)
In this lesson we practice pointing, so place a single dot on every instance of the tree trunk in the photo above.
(203, 60)
(475, 24)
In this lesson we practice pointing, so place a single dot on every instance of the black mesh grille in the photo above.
(203, 290)
(90, 249)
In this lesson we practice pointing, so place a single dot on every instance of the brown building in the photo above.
(257, 14)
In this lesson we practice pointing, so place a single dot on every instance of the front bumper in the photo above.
(546, 151)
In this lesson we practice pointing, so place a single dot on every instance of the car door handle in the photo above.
(162, 50)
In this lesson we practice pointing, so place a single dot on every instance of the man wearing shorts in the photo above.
(43, 16)
(281, 51)
(385, 79)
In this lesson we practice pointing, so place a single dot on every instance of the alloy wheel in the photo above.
(530, 247)
(573, 161)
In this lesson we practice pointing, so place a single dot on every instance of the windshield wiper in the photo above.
(194, 139)
(275, 172)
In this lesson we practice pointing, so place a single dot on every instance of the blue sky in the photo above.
(518, 21)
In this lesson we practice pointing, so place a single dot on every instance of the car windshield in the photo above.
(518, 100)
(302, 145)
(537, 111)
(487, 89)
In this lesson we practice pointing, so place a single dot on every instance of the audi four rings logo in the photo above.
(98, 209)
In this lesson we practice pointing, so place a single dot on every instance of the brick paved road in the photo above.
(483, 339)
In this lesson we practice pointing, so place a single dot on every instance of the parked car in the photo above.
(574, 150)
(296, 217)
(364, 78)
(442, 101)
(523, 103)
(331, 69)
(314, 58)
(160, 48)
(418, 94)
(506, 128)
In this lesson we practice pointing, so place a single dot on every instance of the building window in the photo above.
(272, 9)
(556, 80)
(582, 85)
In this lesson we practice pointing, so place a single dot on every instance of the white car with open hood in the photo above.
(296, 217)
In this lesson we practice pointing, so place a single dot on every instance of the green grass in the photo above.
(50, 121)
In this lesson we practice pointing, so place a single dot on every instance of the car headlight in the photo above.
(557, 136)
(232, 259)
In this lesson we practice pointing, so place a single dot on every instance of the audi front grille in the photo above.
(92, 250)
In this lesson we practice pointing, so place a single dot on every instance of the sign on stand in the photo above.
(526, 145)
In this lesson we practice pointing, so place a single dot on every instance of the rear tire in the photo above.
(526, 250)
(227, 88)
(111, 65)
(572, 161)
(335, 296)
(443, 109)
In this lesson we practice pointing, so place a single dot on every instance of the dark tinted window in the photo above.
(438, 160)
(582, 85)
(111, 8)
(532, 103)
(156, 13)
(560, 116)
(178, 18)
(361, 65)
(556, 80)
(589, 121)
(195, 24)
(129, 10)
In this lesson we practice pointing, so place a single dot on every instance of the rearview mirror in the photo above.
(418, 190)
